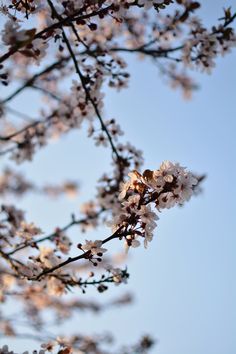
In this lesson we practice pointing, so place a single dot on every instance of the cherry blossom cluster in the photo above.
(166, 187)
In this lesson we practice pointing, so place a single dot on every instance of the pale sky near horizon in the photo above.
(184, 284)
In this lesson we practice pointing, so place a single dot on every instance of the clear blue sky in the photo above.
(184, 284)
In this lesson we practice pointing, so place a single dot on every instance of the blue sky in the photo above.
(184, 284)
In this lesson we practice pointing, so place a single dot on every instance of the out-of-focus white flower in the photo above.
(95, 247)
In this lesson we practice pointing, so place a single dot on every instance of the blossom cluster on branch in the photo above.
(68, 53)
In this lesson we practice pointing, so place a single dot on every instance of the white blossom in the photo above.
(95, 247)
